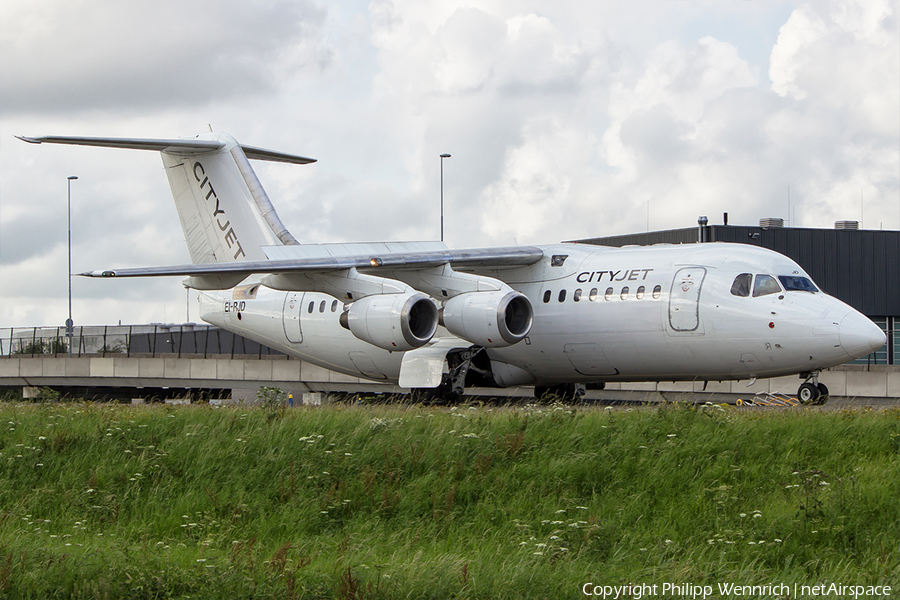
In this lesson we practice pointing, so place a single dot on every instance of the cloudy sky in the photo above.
(565, 119)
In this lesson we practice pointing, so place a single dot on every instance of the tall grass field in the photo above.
(106, 501)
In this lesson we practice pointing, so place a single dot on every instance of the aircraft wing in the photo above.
(502, 257)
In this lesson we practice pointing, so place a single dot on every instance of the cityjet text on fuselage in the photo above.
(230, 236)
(619, 275)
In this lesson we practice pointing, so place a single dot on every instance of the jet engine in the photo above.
(392, 321)
(489, 319)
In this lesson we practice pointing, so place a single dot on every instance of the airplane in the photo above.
(561, 317)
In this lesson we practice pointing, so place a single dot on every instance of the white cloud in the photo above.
(840, 62)
(535, 191)
(66, 55)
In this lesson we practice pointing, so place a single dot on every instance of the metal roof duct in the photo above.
(846, 224)
(772, 222)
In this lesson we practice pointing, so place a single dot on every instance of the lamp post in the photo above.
(443, 156)
(70, 324)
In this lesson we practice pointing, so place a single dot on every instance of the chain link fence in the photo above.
(187, 340)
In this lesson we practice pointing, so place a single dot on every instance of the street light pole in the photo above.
(70, 324)
(443, 156)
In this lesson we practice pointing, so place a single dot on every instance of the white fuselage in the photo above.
(558, 314)
(657, 313)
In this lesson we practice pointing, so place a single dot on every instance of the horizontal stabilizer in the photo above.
(175, 146)
(272, 156)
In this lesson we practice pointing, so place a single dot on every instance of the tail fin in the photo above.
(224, 211)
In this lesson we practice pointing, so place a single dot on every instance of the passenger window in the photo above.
(741, 285)
(322, 306)
(608, 295)
(546, 296)
(334, 306)
(562, 295)
(640, 293)
(624, 293)
(765, 285)
(312, 306)
(656, 292)
(593, 295)
(577, 295)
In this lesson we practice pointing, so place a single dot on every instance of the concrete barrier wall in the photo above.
(162, 372)
(844, 381)
(295, 375)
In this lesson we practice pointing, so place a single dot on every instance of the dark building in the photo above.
(859, 266)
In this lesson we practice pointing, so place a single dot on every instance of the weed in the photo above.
(273, 400)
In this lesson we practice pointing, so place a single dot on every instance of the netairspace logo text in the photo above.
(694, 591)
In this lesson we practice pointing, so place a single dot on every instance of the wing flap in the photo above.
(477, 257)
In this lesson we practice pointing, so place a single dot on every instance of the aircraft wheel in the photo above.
(434, 396)
(449, 397)
(422, 395)
(565, 392)
(808, 393)
(823, 394)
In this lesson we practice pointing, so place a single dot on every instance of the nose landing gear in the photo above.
(812, 392)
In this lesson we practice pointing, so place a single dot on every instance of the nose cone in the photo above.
(860, 336)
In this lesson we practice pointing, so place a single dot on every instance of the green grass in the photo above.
(101, 501)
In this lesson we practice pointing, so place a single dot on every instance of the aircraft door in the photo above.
(293, 302)
(684, 299)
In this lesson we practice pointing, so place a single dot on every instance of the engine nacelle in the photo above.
(489, 319)
(393, 321)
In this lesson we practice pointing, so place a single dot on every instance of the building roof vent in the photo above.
(772, 222)
(846, 224)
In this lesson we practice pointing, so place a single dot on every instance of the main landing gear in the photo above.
(811, 391)
(468, 366)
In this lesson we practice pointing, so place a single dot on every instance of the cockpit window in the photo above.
(765, 285)
(793, 283)
(741, 285)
